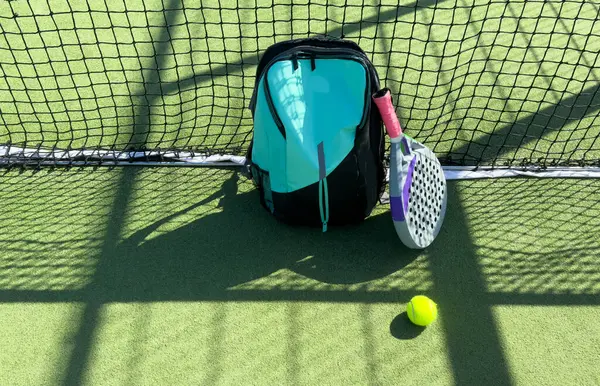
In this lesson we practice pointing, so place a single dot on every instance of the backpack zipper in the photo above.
(272, 109)
(323, 190)
(311, 53)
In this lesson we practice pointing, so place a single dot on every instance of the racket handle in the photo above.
(383, 100)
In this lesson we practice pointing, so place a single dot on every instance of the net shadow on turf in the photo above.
(149, 98)
(172, 247)
(140, 266)
(183, 233)
(536, 238)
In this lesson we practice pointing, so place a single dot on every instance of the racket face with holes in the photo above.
(418, 193)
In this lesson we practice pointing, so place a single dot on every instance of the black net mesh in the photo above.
(481, 82)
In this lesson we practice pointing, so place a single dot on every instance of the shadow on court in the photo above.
(209, 258)
(402, 328)
(206, 259)
(235, 252)
(241, 243)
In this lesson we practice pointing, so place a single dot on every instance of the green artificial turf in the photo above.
(178, 276)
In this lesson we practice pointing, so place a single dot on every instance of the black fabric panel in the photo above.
(377, 137)
(347, 202)
(367, 164)
(370, 147)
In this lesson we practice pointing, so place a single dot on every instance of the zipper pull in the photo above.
(326, 199)
(323, 190)
(324, 203)
(313, 63)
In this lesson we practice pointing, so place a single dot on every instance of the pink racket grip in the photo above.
(383, 100)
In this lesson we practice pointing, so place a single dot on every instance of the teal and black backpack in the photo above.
(318, 142)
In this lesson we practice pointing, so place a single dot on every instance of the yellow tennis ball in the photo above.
(421, 310)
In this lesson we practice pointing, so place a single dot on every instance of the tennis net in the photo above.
(481, 82)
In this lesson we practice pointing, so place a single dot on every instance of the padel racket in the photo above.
(418, 192)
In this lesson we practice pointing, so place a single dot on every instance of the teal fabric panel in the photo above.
(325, 105)
(269, 146)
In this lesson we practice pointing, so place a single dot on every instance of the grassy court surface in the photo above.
(177, 276)
(475, 80)
(151, 276)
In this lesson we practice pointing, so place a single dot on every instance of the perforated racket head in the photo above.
(427, 199)
(424, 197)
